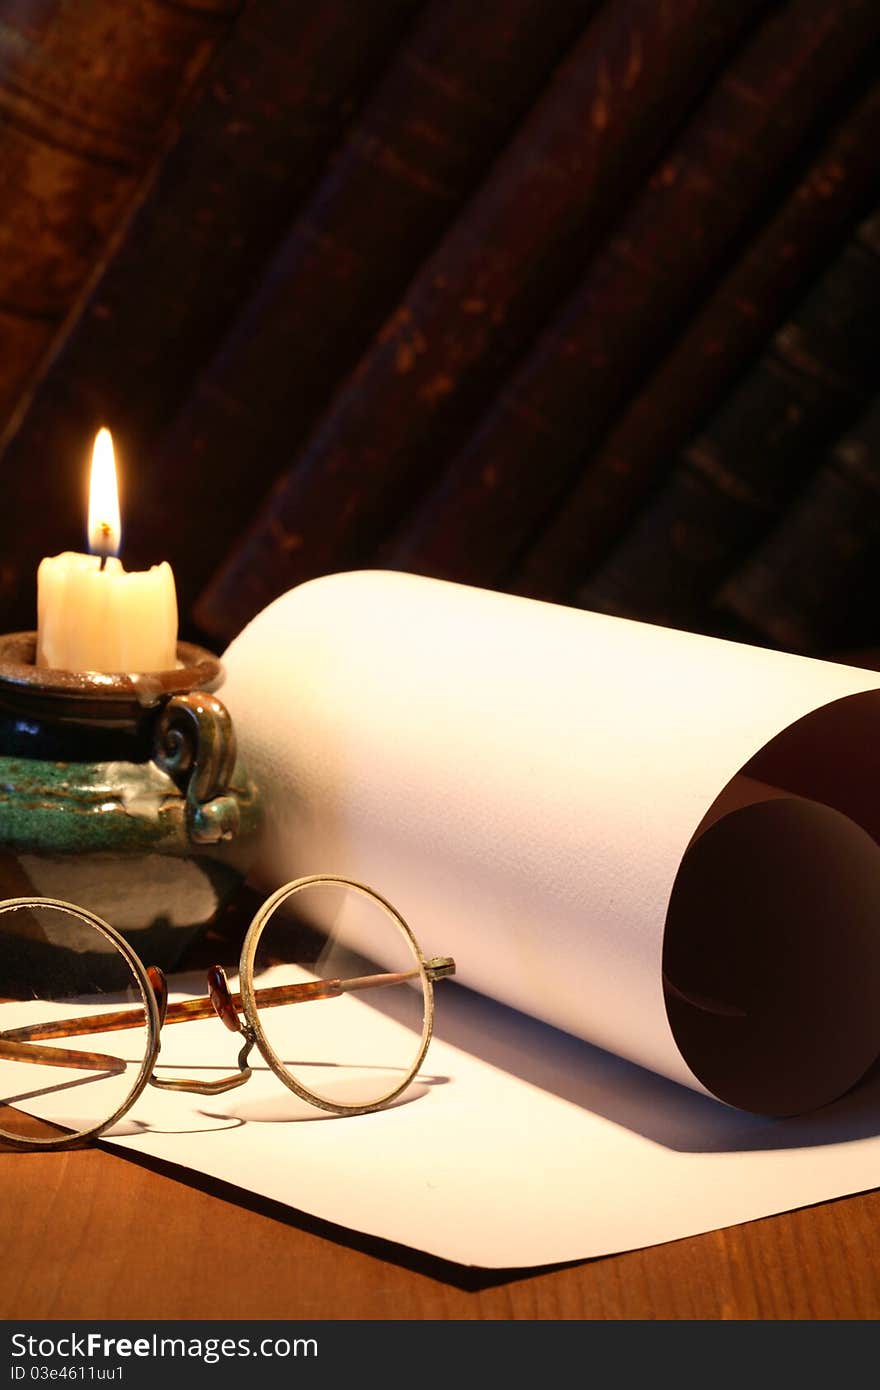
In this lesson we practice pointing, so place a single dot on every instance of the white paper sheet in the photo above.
(519, 1145)
(586, 1156)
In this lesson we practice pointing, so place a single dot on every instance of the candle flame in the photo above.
(105, 528)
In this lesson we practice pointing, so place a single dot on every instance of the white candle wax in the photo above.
(93, 619)
(91, 614)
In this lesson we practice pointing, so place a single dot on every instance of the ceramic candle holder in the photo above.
(123, 794)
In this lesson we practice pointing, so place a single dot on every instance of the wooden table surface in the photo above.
(90, 1234)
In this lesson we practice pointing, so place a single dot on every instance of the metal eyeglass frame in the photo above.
(23, 1044)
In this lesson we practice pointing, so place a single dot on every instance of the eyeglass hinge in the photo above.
(438, 967)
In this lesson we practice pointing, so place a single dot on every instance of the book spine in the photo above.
(812, 585)
(84, 103)
(636, 291)
(757, 451)
(456, 86)
(481, 296)
(715, 348)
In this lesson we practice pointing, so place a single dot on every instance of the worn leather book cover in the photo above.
(664, 255)
(84, 105)
(757, 452)
(717, 346)
(478, 300)
(812, 585)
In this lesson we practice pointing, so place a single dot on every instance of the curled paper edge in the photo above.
(523, 780)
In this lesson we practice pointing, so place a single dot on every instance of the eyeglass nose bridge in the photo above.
(221, 998)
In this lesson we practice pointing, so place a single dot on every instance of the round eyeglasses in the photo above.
(333, 991)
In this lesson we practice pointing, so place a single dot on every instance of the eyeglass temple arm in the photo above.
(224, 1003)
(435, 969)
(188, 1009)
(11, 1051)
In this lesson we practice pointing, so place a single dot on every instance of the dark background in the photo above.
(575, 299)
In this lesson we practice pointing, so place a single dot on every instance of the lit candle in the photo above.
(91, 614)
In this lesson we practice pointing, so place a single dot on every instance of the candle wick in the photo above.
(106, 533)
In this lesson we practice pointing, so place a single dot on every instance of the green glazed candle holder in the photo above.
(123, 794)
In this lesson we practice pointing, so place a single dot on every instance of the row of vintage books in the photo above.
(576, 299)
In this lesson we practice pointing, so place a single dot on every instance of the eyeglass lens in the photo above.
(355, 1042)
(55, 966)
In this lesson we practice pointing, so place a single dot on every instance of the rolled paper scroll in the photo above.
(660, 842)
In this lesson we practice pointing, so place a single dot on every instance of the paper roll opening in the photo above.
(771, 956)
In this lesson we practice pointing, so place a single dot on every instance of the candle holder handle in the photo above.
(195, 744)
